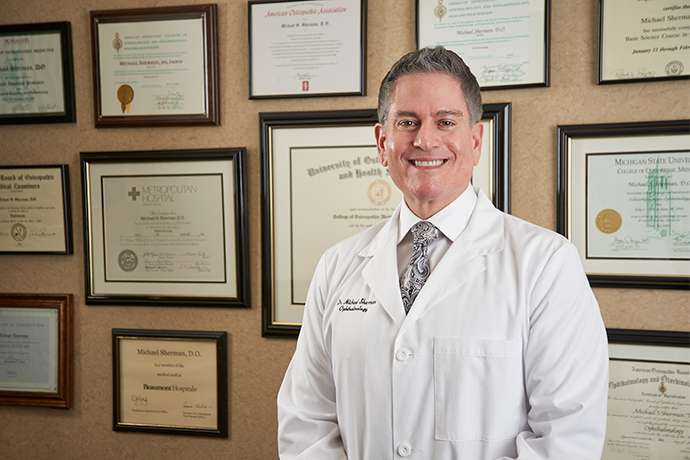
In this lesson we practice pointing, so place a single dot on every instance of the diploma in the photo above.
(31, 76)
(152, 67)
(641, 40)
(336, 192)
(164, 228)
(32, 210)
(648, 411)
(29, 349)
(502, 42)
(300, 48)
(168, 382)
(638, 205)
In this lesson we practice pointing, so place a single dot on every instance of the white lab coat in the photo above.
(502, 356)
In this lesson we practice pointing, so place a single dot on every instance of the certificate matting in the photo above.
(36, 350)
(322, 182)
(505, 44)
(36, 74)
(155, 66)
(35, 210)
(166, 227)
(170, 382)
(303, 49)
(643, 41)
(649, 395)
(628, 214)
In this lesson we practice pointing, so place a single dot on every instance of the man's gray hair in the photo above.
(432, 60)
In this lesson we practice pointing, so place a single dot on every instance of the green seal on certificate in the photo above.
(125, 94)
(674, 68)
(379, 192)
(127, 260)
(609, 221)
(18, 232)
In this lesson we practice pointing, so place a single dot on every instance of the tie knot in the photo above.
(424, 232)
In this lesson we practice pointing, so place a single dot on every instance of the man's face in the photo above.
(428, 144)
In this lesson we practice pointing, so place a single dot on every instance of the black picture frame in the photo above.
(496, 118)
(613, 138)
(254, 57)
(66, 75)
(230, 166)
(217, 340)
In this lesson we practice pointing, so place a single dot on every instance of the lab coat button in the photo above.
(404, 450)
(402, 354)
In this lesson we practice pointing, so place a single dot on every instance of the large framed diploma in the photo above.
(649, 395)
(156, 66)
(643, 41)
(166, 227)
(505, 44)
(624, 201)
(303, 49)
(36, 74)
(322, 182)
(173, 382)
(36, 350)
(35, 211)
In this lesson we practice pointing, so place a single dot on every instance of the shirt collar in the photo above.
(451, 220)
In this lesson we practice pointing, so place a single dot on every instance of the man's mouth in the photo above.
(426, 163)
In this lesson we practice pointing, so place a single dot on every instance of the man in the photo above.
(502, 354)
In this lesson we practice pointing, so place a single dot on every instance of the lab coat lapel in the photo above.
(381, 270)
(464, 258)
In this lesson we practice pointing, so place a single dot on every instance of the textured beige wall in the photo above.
(256, 365)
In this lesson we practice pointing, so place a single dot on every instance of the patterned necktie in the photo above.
(417, 271)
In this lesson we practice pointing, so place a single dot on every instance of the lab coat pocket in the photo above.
(478, 389)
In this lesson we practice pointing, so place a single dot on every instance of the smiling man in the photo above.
(481, 338)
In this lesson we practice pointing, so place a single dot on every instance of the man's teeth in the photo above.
(428, 163)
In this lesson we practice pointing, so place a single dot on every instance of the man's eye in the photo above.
(446, 123)
(406, 123)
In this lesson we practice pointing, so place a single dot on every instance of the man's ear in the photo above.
(477, 134)
(380, 134)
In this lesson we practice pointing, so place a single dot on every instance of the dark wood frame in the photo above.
(362, 58)
(62, 398)
(70, 113)
(238, 158)
(499, 114)
(568, 132)
(66, 208)
(209, 14)
(547, 42)
(221, 379)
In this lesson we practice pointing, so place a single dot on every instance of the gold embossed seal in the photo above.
(379, 192)
(609, 221)
(125, 94)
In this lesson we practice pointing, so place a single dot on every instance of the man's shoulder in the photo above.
(358, 241)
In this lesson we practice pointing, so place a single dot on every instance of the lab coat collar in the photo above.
(484, 235)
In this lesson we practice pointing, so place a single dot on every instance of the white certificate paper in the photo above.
(29, 349)
(648, 410)
(306, 48)
(152, 68)
(644, 39)
(638, 205)
(32, 213)
(31, 79)
(170, 383)
(503, 43)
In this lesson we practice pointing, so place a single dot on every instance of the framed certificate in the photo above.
(643, 41)
(322, 182)
(624, 201)
(173, 382)
(36, 74)
(649, 393)
(155, 66)
(166, 227)
(505, 44)
(35, 214)
(36, 350)
(303, 49)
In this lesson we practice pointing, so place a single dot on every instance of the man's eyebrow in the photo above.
(440, 113)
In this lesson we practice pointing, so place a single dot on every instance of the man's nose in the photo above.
(427, 137)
